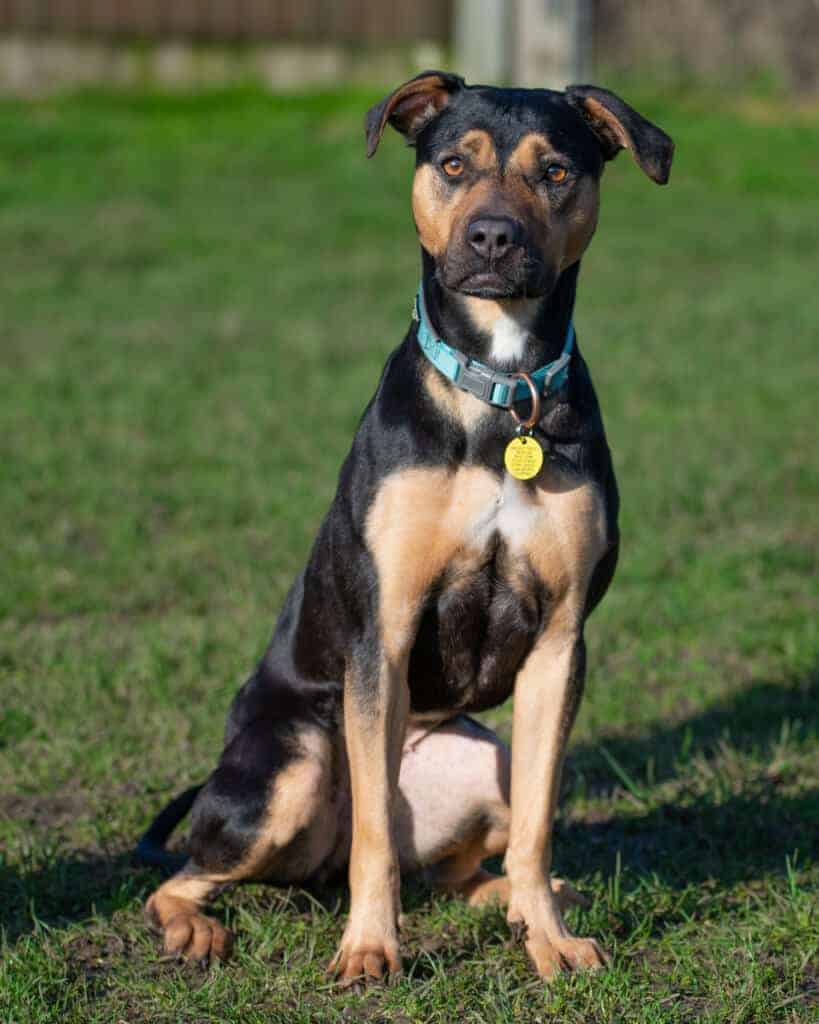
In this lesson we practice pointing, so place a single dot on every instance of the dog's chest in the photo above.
(548, 534)
(485, 558)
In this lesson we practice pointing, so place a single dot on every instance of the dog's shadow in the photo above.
(719, 825)
(733, 807)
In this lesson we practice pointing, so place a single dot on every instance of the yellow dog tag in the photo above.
(523, 457)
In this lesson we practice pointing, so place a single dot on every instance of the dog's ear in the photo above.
(618, 126)
(411, 106)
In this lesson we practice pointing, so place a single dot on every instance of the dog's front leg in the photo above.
(547, 695)
(375, 715)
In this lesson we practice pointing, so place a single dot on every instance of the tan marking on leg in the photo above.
(546, 701)
(374, 732)
(559, 530)
(419, 520)
(299, 802)
(462, 874)
(460, 870)
(485, 888)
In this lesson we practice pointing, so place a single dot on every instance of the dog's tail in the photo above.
(151, 847)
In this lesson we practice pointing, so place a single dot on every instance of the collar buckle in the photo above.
(477, 380)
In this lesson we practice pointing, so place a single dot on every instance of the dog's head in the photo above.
(506, 186)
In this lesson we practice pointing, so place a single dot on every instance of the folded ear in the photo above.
(618, 126)
(411, 107)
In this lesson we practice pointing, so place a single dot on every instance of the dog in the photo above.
(473, 531)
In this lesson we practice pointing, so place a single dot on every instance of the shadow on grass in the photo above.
(720, 834)
(755, 721)
(62, 889)
(728, 823)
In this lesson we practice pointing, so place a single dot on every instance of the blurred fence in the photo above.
(729, 40)
(354, 21)
(48, 43)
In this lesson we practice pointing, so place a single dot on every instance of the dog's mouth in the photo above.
(518, 276)
(488, 284)
(531, 281)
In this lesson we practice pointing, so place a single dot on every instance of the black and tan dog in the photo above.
(441, 581)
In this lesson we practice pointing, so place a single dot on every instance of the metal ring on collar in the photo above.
(534, 415)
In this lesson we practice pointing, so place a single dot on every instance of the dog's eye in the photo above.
(556, 174)
(453, 166)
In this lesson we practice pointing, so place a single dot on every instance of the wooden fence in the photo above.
(354, 21)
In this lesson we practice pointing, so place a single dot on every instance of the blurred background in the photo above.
(286, 43)
(201, 277)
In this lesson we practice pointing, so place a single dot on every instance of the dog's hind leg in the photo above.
(454, 811)
(267, 812)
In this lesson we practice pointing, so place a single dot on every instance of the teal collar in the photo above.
(501, 389)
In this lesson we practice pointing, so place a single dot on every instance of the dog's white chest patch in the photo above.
(558, 526)
(508, 339)
(518, 513)
(512, 513)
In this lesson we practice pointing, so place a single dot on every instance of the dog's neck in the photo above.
(506, 334)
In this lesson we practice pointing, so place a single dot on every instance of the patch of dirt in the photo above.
(94, 957)
(50, 810)
(94, 952)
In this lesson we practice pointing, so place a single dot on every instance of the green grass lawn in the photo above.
(196, 298)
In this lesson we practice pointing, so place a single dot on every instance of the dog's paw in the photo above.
(357, 963)
(554, 956)
(197, 938)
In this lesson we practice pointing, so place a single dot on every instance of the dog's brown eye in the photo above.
(453, 166)
(556, 174)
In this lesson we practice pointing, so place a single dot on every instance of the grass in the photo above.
(197, 296)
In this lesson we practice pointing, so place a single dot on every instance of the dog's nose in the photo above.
(493, 237)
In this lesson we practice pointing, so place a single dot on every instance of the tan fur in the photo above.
(581, 222)
(432, 209)
(544, 710)
(418, 521)
(568, 537)
(564, 551)
(485, 313)
(174, 909)
(460, 406)
(440, 213)
(603, 119)
(423, 520)
(526, 158)
(412, 105)
(484, 888)
(570, 235)
(480, 147)
(374, 733)
(299, 803)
